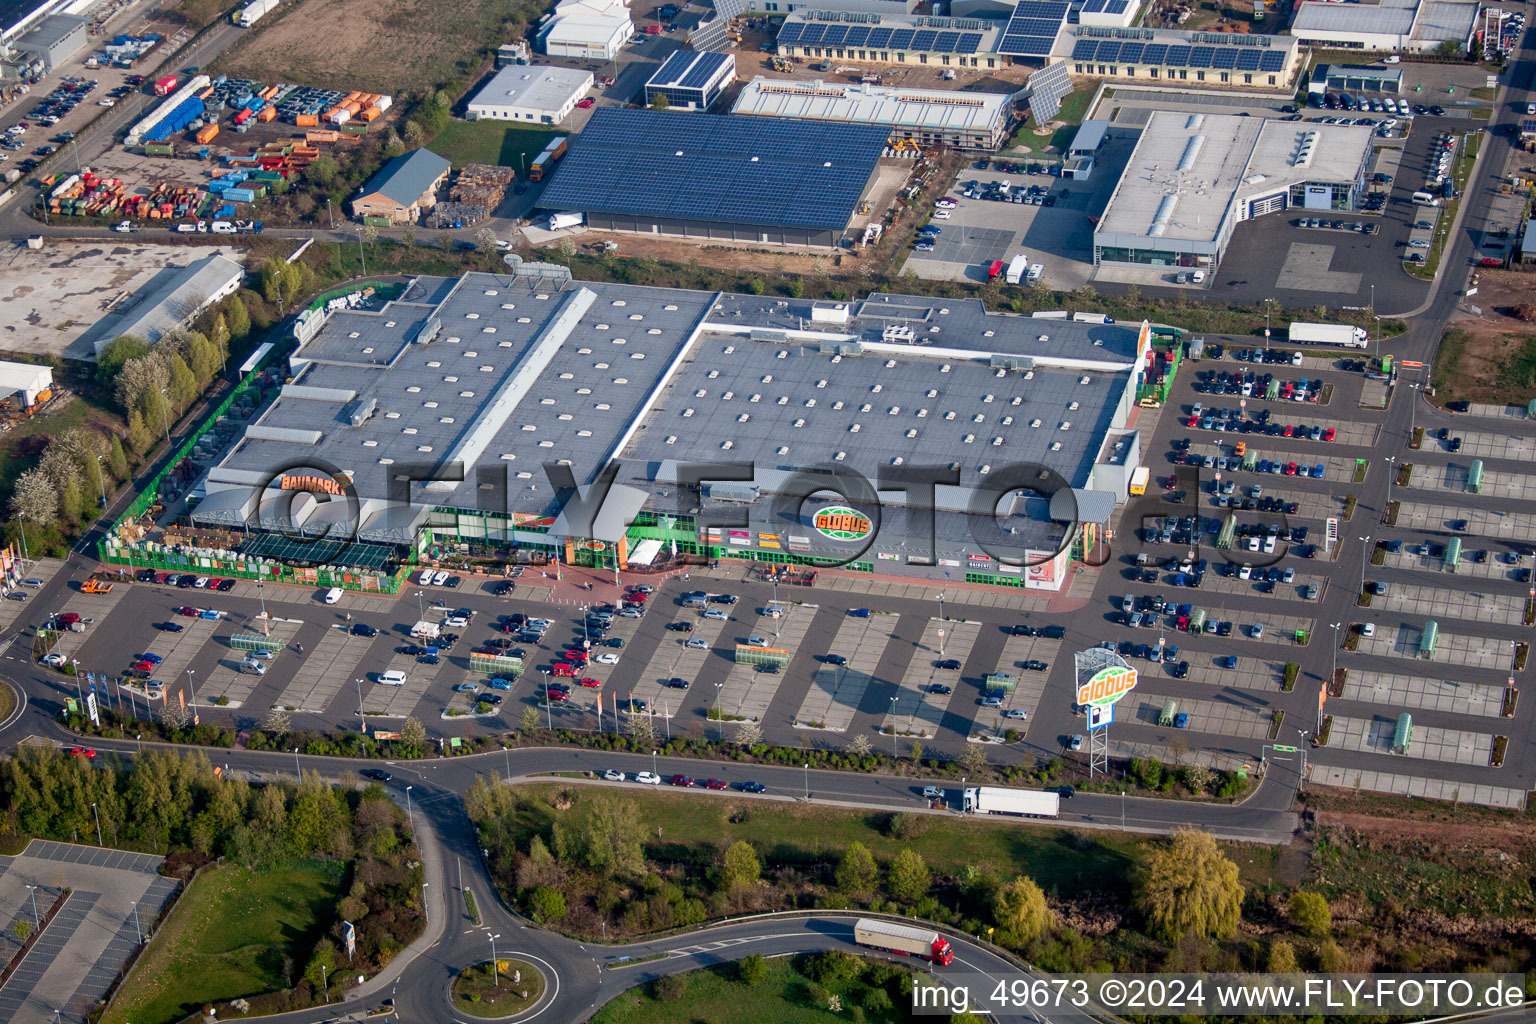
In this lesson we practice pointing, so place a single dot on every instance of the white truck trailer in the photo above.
(1346, 335)
(906, 939)
(1022, 802)
(568, 219)
(1018, 268)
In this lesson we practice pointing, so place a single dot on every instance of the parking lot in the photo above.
(747, 691)
(837, 690)
(918, 710)
(1443, 603)
(322, 672)
(83, 948)
(1487, 444)
(235, 680)
(1450, 648)
(1426, 693)
(1452, 479)
(1495, 565)
(1374, 736)
(1480, 522)
(1227, 717)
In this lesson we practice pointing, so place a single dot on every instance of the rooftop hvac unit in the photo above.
(768, 334)
(841, 348)
(898, 333)
(1002, 361)
(429, 331)
(359, 411)
(726, 491)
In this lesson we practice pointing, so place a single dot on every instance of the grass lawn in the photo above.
(1058, 859)
(475, 992)
(229, 936)
(7, 702)
(491, 142)
(1074, 106)
(715, 995)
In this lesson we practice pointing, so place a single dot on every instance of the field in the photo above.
(234, 933)
(407, 48)
(783, 997)
(491, 142)
(1493, 358)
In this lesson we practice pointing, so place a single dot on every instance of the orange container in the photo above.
(322, 135)
(266, 114)
(306, 120)
(206, 133)
(371, 113)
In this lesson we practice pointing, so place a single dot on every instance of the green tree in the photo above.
(1188, 887)
(1309, 913)
(203, 358)
(1330, 958)
(529, 720)
(1282, 958)
(118, 460)
(752, 970)
(604, 836)
(547, 904)
(239, 319)
(321, 966)
(34, 497)
(660, 102)
(741, 867)
(70, 502)
(413, 734)
(856, 872)
(908, 877)
(1021, 913)
(139, 437)
(485, 242)
(23, 929)
(184, 387)
(115, 353)
(323, 170)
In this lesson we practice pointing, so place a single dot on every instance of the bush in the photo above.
(752, 969)
(877, 1000)
(668, 988)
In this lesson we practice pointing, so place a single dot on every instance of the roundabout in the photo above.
(515, 988)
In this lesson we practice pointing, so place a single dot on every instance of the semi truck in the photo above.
(163, 86)
(542, 163)
(906, 939)
(1021, 802)
(1017, 268)
(1346, 335)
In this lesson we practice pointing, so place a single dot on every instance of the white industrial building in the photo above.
(1393, 25)
(965, 120)
(586, 29)
(171, 301)
(540, 94)
(26, 382)
(1193, 178)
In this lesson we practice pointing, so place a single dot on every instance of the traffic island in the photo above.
(480, 992)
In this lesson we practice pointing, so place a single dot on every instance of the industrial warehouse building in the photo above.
(58, 38)
(768, 180)
(1168, 56)
(586, 29)
(691, 81)
(540, 94)
(1408, 26)
(403, 187)
(1193, 178)
(965, 120)
(888, 39)
(491, 378)
(24, 384)
(169, 303)
(1354, 78)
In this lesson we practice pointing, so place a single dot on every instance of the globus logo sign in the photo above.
(1107, 686)
(840, 522)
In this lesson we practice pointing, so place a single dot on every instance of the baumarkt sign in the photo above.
(1107, 686)
(842, 523)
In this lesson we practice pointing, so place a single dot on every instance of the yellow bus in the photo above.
(1139, 480)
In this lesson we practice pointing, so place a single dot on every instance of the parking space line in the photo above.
(1397, 690)
(837, 690)
(747, 692)
(1446, 746)
(322, 673)
(917, 710)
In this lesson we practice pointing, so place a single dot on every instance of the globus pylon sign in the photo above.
(1107, 685)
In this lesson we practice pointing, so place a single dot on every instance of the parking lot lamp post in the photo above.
(426, 908)
(325, 985)
(362, 723)
(1413, 409)
(298, 772)
(495, 967)
(719, 719)
(653, 762)
(1122, 810)
(139, 739)
(136, 927)
(1332, 675)
(807, 782)
(192, 694)
(1365, 558)
(262, 597)
(894, 752)
(1391, 461)
(97, 815)
(37, 922)
(409, 819)
(507, 757)
(941, 604)
(421, 611)
(1267, 304)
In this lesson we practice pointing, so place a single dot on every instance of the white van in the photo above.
(223, 227)
(392, 678)
(333, 595)
(1425, 199)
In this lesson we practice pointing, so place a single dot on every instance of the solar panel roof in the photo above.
(1236, 57)
(1033, 27)
(757, 170)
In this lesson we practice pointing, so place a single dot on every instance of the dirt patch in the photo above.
(1490, 357)
(721, 256)
(411, 46)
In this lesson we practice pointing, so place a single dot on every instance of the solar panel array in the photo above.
(711, 35)
(1219, 58)
(1032, 30)
(686, 69)
(796, 33)
(1105, 6)
(703, 167)
(730, 8)
(1045, 89)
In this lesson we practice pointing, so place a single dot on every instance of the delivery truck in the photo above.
(1346, 335)
(1017, 268)
(906, 939)
(565, 220)
(1021, 802)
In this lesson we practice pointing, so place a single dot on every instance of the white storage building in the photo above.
(1392, 25)
(587, 29)
(24, 380)
(540, 93)
(965, 120)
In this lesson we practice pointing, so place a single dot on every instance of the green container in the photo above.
(159, 149)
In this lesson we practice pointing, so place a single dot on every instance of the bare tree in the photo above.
(175, 715)
(749, 734)
(278, 720)
(485, 242)
(859, 746)
(34, 497)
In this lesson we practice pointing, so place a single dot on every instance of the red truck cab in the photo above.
(994, 270)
